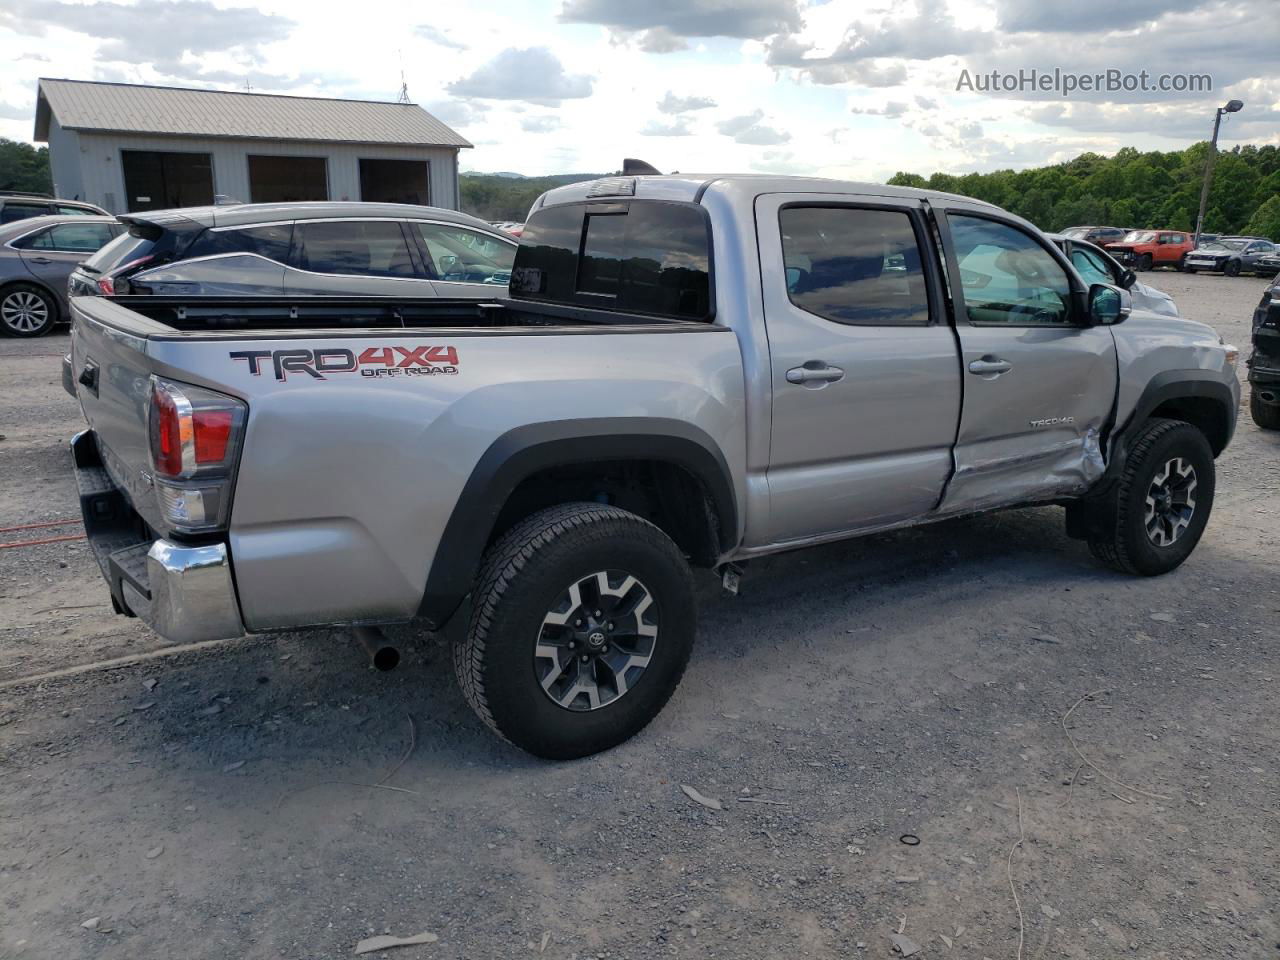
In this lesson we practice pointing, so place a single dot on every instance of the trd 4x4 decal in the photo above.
(372, 362)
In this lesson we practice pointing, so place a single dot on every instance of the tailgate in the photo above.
(110, 371)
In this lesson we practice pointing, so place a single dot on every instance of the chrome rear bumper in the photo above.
(184, 592)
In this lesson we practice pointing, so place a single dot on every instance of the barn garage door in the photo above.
(395, 181)
(286, 179)
(154, 180)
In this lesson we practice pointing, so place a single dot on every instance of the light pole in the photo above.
(1233, 106)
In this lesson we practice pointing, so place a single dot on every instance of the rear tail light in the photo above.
(117, 280)
(195, 437)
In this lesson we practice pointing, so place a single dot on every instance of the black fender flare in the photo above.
(1169, 385)
(526, 450)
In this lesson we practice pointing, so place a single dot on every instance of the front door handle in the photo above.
(990, 366)
(816, 372)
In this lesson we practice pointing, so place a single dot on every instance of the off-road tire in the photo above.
(1265, 415)
(1232, 269)
(520, 578)
(14, 296)
(1143, 263)
(1118, 535)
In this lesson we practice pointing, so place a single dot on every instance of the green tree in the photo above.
(1265, 221)
(23, 167)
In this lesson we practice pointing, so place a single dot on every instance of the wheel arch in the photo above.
(496, 495)
(1198, 397)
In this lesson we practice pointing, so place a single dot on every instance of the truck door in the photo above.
(865, 376)
(1039, 382)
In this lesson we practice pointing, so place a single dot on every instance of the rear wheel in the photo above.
(583, 622)
(27, 311)
(1232, 269)
(1154, 517)
(1182, 263)
(1265, 415)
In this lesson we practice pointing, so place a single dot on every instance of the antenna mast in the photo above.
(404, 86)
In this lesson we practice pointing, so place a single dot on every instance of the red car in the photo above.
(1145, 249)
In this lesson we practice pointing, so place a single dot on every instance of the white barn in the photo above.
(128, 147)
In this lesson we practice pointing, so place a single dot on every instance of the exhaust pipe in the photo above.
(381, 654)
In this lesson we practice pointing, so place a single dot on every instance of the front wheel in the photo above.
(27, 311)
(1232, 269)
(1265, 415)
(1153, 519)
(583, 623)
(1144, 263)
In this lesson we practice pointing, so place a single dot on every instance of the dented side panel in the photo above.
(1032, 433)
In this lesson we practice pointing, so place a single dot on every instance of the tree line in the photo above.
(1151, 190)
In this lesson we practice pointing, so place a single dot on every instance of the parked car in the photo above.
(635, 407)
(300, 249)
(1264, 360)
(1102, 236)
(37, 256)
(1095, 265)
(23, 206)
(1234, 256)
(1143, 250)
(513, 227)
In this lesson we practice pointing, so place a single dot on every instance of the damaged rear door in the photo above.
(1039, 380)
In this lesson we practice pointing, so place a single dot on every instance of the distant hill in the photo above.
(508, 196)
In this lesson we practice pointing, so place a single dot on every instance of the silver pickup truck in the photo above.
(687, 372)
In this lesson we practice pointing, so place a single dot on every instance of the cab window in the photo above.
(854, 265)
(1007, 277)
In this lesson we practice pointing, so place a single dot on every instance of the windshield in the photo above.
(1223, 245)
(1139, 236)
(1076, 233)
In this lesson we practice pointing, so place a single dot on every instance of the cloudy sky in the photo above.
(845, 89)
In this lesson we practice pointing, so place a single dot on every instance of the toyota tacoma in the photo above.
(687, 372)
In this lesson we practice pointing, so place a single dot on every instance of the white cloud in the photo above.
(673, 104)
(749, 130)
(534, 74)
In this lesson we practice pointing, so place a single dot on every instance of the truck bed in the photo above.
(327, 314)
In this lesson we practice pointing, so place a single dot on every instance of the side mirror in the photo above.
(1128, 278)
(1108, 305)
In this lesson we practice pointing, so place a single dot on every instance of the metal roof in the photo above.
(178, 111)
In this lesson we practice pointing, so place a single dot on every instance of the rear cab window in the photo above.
(650, 257)
(854, 265)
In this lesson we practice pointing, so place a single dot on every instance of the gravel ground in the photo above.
(239, 803)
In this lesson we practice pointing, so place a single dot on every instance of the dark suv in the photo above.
(302, 249)
(22, 206)
(1099, 235)
(1264, 364)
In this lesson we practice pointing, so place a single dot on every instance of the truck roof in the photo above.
(690, 187)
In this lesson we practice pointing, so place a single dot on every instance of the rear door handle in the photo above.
(816, 372)
(990, 366)
(40, 260)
